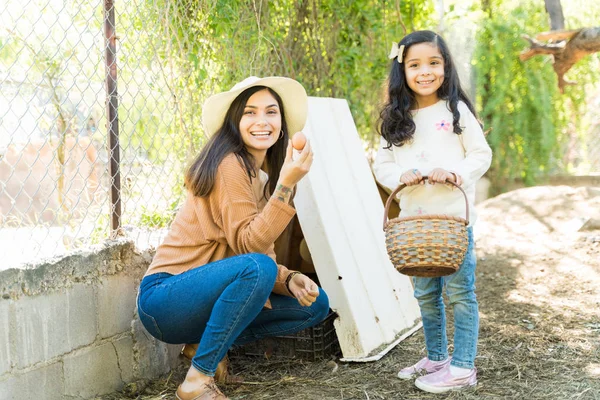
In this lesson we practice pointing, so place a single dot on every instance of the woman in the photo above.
(214, 281)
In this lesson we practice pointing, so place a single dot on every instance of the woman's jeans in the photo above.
(460, 289)
(221, 304)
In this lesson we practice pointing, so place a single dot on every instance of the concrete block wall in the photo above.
(69, 327)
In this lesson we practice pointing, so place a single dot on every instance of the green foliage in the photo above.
(530, 122)
(515, 100)
(158, 218)
(334, 48)
(160, 215)
(338, 48)
(101, 229)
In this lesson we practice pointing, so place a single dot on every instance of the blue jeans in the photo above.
(221, 304)
(460, 289)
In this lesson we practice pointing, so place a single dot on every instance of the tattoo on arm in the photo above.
(283, 193)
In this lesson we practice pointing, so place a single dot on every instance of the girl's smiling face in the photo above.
(424, 72)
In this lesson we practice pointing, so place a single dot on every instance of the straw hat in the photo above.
(293, 96)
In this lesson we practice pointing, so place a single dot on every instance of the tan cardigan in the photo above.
(233, 219)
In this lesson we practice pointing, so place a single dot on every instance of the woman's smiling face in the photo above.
(260, 125)
(424, 72)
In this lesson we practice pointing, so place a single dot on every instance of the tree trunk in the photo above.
(557, 19)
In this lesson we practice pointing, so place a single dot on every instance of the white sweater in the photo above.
(435, 145)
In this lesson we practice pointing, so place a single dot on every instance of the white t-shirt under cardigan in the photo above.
(435, 145)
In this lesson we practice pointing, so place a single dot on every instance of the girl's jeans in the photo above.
(460, 288)
(221, 304)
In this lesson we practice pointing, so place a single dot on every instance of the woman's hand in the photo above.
(440, 175)
(304, 289)
(412, 177)
(294, 170)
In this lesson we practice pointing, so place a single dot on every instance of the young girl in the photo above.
(429, 128)
(213, 281)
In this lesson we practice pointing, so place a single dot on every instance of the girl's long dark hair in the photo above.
(200, 176)
(396, 123)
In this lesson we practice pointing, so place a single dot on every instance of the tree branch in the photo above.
(580, 43)
(537, 47)
(558, 35)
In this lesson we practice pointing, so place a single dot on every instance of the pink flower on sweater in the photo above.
(445, 125)
(422, 156)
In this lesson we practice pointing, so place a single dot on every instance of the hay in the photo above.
(538, 284)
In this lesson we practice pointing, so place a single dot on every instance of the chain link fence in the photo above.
(72, 168)
(63, 76)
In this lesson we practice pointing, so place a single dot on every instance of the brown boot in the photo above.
(222, 375)
(208, 391)
(189, 350)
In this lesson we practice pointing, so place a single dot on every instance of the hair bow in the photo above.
(396, 52)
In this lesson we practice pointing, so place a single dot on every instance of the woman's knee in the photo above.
(263, 267)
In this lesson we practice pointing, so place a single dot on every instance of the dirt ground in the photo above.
(538, 285)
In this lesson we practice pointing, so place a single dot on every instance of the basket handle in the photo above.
(402, 186)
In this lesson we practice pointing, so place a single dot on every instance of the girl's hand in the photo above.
(412, 177)
(440, 175)
(304, 289)
(294, 170)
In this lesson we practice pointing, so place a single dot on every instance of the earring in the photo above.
(280, 135)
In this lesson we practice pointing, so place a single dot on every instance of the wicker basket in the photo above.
(426, 245)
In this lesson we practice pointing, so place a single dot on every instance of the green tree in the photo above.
(530, 123)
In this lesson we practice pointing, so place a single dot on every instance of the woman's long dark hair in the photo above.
(396, 123)
(200, 176)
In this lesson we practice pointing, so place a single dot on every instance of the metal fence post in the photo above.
(112, 122)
